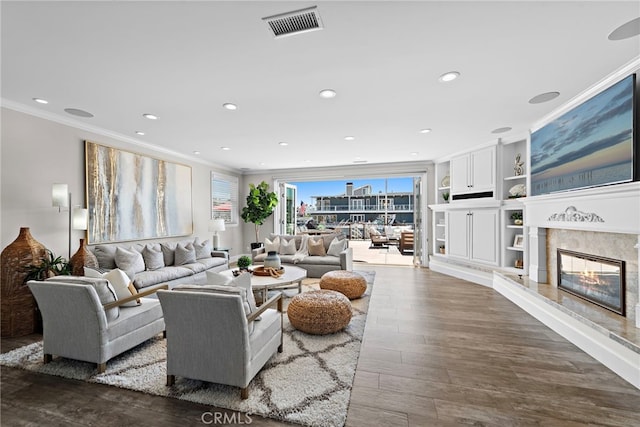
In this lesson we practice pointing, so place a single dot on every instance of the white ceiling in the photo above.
(182, 60)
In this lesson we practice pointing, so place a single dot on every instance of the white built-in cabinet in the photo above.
(473, 234)
(474, 172)
(479, 225)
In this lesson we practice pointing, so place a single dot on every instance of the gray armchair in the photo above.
(77, 325)
(210, 338)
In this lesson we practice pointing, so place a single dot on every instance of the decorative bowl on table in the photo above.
(266, 271)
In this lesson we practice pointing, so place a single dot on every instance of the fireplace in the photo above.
(597, 279)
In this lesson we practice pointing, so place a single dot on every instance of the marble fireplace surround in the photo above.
(601, 221)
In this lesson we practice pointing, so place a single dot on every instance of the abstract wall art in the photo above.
(131, 196)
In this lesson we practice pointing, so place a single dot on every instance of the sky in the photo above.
(333, 188)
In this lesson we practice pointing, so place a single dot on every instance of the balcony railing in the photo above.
(376, 208)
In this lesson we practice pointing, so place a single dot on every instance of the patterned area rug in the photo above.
(309, 383)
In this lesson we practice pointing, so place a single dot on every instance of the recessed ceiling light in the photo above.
(501, 130)
(447, 77)
(349, 138)
(307, 161)
(139, 132)
(40, 100)
(196, 152)
(328, 93)
(425, 130)
(284, 144)
(225, 148)
(415, 153)
(544, 97)
(77, 112)
(150, 116)
(230, 106)
(359, 161)
(261, 163)
(626, 31)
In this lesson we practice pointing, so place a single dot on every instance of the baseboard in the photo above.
(589, 337)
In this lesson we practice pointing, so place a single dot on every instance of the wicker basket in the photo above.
(18, 307)
(319, 312)
(352, 285)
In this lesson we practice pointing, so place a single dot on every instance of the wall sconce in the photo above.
(78, 217)
(215, 226)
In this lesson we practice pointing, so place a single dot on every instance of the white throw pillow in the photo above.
(217, 279)
(244, 281)
(203, 249)
(120, 282)
(272, 246)
(288, 248)
(337, 246)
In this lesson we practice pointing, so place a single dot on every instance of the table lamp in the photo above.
(215, 226)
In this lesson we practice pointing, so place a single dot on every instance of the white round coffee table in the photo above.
(291, 278)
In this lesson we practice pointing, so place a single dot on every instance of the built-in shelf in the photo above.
(439, 225)
(440, 240)
(513, 248)
(516, 226)
(444, 188)
(511, 178)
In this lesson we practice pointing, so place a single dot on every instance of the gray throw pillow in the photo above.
(168, 253)
(185, 254)
(106, 256)
(129, 260)
(153, 257)
(203, 249)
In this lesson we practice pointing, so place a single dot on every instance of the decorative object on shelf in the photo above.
(518, 169)
(272, 260)
(216, 225)
(81, 259)
(518, 190)
(441, 249)
(518, 241)
(244, 262)
(517, 217)
(445, 196)
(131, 196)
(445, 181)
(17, 303)
(61, 198)
(519, 263)
(260, 205)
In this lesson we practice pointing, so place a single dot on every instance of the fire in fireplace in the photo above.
(597, 279)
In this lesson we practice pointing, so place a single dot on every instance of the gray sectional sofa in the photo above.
(170, 263)
(316, 266)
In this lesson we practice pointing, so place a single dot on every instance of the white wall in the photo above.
(35, 153)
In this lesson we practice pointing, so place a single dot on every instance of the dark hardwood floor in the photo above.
(437, 351)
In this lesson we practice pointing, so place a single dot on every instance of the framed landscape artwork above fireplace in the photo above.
(131, 196)
(597, 279)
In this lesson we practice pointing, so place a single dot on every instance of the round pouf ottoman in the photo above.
(319, 312)
(352, 285)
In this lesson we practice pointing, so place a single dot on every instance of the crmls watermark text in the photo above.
(222, 418)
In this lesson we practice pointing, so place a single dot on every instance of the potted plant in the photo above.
(517, 217)
(445, 196)
(49, 266)
(260, 205)
(244, 262)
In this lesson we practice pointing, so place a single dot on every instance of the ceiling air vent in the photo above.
(296, 22)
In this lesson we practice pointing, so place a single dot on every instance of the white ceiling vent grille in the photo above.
(296, 22)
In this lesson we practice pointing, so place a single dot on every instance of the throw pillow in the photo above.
(120, 282)
(106, 256)
(316, 247)
(287, 247)
(153, 257)
(217, 279)
(244, 281)
(203, 249)
(337, 246)
(272, 245)
(168, 252)
(185, 254)
(129, 260)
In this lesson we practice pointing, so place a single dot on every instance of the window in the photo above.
(224, 198)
